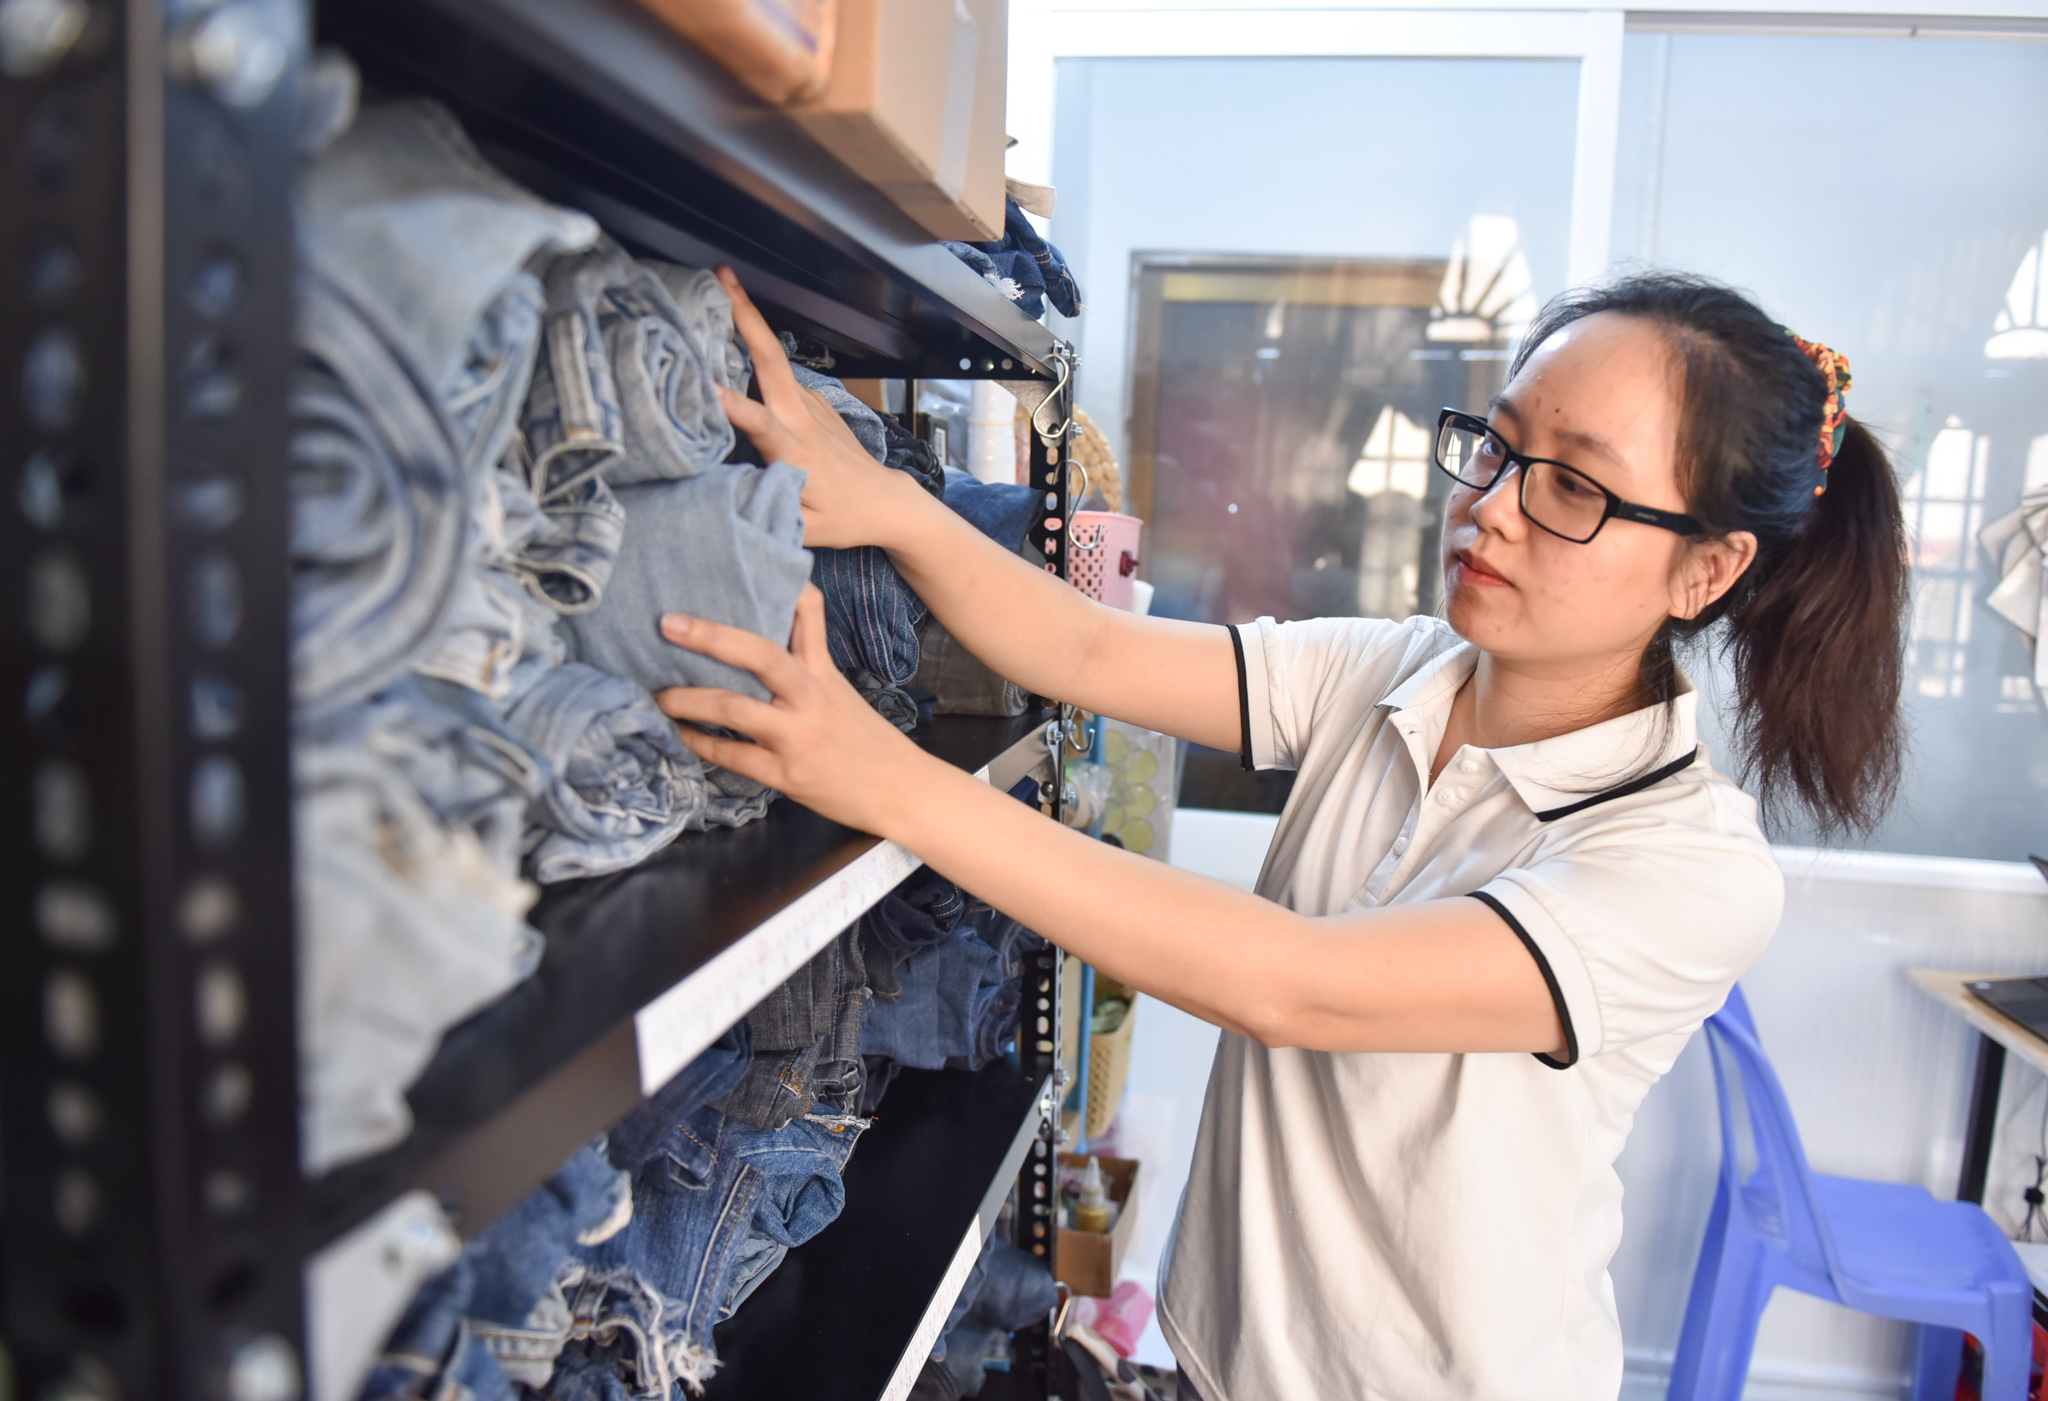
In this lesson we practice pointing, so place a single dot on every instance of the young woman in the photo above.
(1508, 885)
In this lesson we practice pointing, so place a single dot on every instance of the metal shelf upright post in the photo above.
(147, 1080)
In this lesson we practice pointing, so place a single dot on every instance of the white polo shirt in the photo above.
(1409, 1227)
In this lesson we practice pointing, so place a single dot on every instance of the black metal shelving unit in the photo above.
(154, 1228)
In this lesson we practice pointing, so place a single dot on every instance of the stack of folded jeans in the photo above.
(498, 1321)
(947, 976)
(507, 450)
(871, 615)
(1024, 267)
(724, 1189)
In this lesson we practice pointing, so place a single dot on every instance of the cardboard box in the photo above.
(782, 49)
(1085, 1262)
(974, 212)
(915, 103)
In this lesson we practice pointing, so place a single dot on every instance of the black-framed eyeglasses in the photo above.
(1555, 495)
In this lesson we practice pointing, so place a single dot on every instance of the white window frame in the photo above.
(1044, 31)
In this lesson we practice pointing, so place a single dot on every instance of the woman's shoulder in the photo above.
(1402, 643)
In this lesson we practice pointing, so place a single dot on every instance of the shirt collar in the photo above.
(1565, 771)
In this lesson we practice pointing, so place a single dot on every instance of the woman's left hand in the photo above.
(816, 741)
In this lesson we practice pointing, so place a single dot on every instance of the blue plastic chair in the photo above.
(1879, 1247)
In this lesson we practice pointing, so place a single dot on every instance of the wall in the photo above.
(1352, 157)
(1877, 1076)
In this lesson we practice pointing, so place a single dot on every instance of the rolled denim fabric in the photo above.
(426, 235)
(871, 615)
(1003, 511)
(621, 785)
(566, 558)
(726, 545)
(625, 388)
(406, 926)
(707, 315)
(495, 633)
(380, 509)
(734, 799)
(1009, 1289)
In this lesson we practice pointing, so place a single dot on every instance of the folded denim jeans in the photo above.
(806, 1038)
(566, 549)
(949, 1003)
(497, 1319)
(923, 908)
(403, 212)
(620, 784)
(381, 536)
(1003, 511)
(727, 545)
(407, 925)
(1009, 1289)
(625, 387)
(871, 615)
(631, 1142)
(717, 1194)
(957, 680)
(1024, 259)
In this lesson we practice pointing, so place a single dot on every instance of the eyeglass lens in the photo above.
(1556, 498)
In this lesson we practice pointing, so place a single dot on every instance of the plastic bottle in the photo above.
(1091, 1213)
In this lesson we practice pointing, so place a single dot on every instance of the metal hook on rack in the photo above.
(1061, 358)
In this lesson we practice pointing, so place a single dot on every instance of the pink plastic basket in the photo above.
(1105, 555)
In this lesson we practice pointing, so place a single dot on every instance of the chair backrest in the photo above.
(1764, 1173)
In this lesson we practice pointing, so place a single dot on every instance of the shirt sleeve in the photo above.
(1288, 673)
(1642, 929)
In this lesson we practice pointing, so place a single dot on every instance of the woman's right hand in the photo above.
(849, 498)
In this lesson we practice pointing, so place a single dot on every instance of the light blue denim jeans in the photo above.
(625, 386)
(620, 785)
(725, 544)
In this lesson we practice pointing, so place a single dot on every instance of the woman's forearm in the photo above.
(1447, 975)
(1030, 627)
(1022, 623)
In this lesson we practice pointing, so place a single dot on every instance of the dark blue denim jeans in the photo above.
(806, 1038)
(1003, 511)
(1023, 258)
(719, 1199)
(497, 1316)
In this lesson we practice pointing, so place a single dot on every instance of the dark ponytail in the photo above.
(1814, 629)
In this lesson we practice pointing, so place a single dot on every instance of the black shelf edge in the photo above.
(852, 1314)
(632, 972)
(598, 104)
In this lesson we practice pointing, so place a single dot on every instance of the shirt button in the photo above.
(1467, 766)
(1400, 845)
(1445, 796)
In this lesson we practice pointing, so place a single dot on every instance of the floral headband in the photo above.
(1834, 419)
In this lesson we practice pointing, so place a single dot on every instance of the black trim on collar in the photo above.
(1677, 765)
(1244, 701)
(1564, 1013)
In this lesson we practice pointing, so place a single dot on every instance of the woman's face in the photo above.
(1601, 395)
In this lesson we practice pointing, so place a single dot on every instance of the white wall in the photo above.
(1353, 157)
(1878, 1077)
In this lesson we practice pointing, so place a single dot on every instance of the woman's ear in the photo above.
(1708, 570)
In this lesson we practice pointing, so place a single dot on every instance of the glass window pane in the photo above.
(1888, 197)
